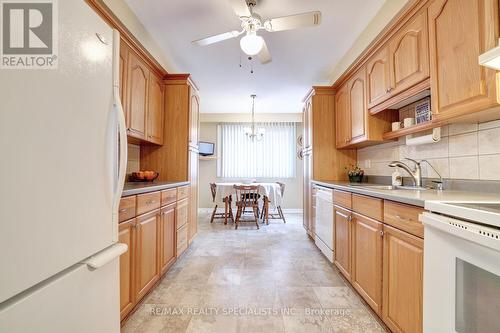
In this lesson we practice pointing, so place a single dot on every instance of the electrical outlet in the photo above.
(368, 164)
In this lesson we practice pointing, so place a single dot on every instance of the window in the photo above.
(272, 157)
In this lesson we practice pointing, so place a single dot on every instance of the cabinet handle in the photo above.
(150, 202)
(381, 233)
(123, 210)
(137, 226)
(349, 218)
(399, 217)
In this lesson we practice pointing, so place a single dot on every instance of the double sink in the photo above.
(390, 187)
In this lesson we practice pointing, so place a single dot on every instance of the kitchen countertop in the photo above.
(411, 197)
(139, 188)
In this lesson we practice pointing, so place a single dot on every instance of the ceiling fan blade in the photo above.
(264, 55)
(216, 38)
(293, 21)
(240, 7)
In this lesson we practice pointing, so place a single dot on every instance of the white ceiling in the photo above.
(301, 58)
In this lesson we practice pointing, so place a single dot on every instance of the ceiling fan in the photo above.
(251, 22)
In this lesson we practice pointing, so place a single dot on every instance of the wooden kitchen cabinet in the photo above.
(123, 74)
(409, 54)
(137, 96)
(147, 246)
(402, 302)
(358, 111)
(342, 240)
(378, 77)
(126, 235)
(459, 31)
(342, 117)
(154, 130)
(167, 237)
(367, 260)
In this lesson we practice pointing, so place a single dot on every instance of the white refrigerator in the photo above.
(62, 161)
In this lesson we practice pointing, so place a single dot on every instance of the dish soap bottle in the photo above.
(397, 179)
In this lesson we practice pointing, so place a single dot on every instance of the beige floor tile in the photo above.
(298, 297)
(337, 297)
(260, 324)
(307, 323)
(212, 324)
(354, 321)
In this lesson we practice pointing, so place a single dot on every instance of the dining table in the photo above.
(269, 191)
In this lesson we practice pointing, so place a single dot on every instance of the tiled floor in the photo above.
(247, 280)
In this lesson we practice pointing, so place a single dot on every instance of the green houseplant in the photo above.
(355, 173)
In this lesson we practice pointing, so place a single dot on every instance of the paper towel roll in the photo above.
(435, 136)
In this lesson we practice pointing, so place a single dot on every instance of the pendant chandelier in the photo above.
(254, 133)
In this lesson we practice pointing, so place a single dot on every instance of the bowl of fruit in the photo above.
(143, 176)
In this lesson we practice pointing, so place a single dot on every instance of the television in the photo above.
(206, 148)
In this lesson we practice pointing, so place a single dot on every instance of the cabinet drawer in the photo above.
(404, 217)
(148, 202)
(368, 206)
(127, 208)
(168, 196)
(182, 240)
(182, 192)
(342, 198)
(182, 213)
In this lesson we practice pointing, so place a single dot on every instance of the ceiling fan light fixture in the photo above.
(251, 43)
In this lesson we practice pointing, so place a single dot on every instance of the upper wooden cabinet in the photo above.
(343, 118)
(459, 31)
(194, 115)
(378, 77)
(409, 54)
(356, 127)
(137, 97)
(142, 97)
(357, 106)
(154, 128)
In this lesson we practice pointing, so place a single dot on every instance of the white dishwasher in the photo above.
(324, 221)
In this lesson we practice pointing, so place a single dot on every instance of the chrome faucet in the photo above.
(415, 174)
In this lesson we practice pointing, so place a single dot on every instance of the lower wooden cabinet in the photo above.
(402, 303)
(342, 240)
(147, 250)
(366, 276)
(383, 263)
(126, 235)
(167, 238)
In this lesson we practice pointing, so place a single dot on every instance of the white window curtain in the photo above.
(272, 157)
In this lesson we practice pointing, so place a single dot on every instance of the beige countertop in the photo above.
(411, 197)
(143, 187)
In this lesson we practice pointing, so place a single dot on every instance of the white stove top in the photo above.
(487, 213)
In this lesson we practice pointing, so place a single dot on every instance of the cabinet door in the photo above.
(342, 117)
(342, 243)
(193, 195)
(137, 98)
(155, 110)
(194, 115)
(378, 79)
(126, 235)
(123, 75)
(409, 54)
(357, 105)
(367, 260)
(402, 281)
(459, 31)
(168, 242)
(147, 272)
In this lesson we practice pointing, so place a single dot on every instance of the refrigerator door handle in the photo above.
(105, 256)
(122, 127)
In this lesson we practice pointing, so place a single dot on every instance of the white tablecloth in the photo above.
(270, 190)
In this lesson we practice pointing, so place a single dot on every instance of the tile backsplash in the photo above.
(134, 158)
(466, 151)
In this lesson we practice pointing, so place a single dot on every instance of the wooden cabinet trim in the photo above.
(343, 240)
(127, 208)
(342, 198)
(404, 217)
(168, 196)
(127, 267)
(147, 202)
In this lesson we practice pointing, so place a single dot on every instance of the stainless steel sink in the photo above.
(389, 187)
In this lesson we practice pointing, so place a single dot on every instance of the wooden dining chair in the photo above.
(266, 214)
(247, 196)
(228, 211)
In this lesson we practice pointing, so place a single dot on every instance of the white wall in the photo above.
(466, 151)
(208, 174)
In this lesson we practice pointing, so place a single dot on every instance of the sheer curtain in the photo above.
(273, 156)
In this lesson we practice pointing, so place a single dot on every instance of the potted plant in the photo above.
(355, 173)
